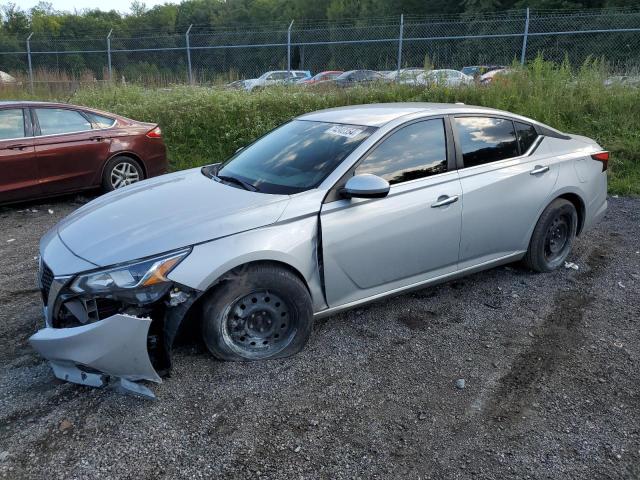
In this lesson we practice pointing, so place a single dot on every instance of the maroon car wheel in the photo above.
(121, 171)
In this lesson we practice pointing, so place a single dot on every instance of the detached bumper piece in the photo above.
(91, 354)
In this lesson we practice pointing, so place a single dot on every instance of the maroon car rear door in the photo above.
(18, 169)
(69, 152)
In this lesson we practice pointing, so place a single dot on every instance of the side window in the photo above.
(55, 121)
(526, 136)
(485, 139)
(100, 120)
(11, 124)
(416, 151)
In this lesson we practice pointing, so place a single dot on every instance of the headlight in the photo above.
(143, 281)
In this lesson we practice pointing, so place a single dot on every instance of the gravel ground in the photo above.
(550, 366)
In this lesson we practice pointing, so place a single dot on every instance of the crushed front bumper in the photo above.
(91, 354)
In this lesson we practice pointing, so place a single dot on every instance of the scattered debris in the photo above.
(297, 449)
(621, 285)
(65, 425)
(571, 265)
(614, 196)
(11, 240)
(33, 210)
(50, 212)
(460, 383)
(602, 380)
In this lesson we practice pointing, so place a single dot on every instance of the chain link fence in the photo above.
(206, 55)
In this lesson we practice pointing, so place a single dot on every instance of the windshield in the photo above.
(294, 157)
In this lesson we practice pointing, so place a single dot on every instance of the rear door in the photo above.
(374, 246)
(18, 169)
(507, 176)
(69, 151)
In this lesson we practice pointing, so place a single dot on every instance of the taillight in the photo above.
(602, 157)
(155, 133)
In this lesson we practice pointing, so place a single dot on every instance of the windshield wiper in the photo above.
(237, 181)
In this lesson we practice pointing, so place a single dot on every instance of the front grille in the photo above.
(46, 278)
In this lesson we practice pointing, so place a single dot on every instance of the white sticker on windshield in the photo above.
(345, 131)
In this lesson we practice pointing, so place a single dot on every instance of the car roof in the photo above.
(378, 114)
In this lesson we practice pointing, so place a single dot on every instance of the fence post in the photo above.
(289, 48)
(29, 61)
(109, 55)
(524, 39)
(189, 73)
(400, 45)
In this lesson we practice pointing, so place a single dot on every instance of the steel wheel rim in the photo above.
(557, 238)
(123, 174)
(258, 325)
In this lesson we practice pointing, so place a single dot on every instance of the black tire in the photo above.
(553, 237)
(260, 312)
(108, 175)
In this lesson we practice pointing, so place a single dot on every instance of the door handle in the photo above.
(96, 139)
(18, 146)
(539, 169)
(445, 200)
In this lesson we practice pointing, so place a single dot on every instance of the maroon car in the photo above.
(51, 148)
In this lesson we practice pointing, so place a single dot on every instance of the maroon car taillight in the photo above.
(155, 133)
(602, 157)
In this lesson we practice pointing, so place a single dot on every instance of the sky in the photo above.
(71, 5)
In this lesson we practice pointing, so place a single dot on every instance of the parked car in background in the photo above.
(53, 148)
(6, 79)
(321, 77)
(444, 77)
(479, 70)
(332, 210)
(275, 77)
(493, 75)
(406, 76)
(352, 78)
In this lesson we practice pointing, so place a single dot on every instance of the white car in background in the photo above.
(406, 76)
(445, 77)
(275, 77)
(492, 75)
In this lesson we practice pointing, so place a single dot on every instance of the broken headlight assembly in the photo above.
(139, 282)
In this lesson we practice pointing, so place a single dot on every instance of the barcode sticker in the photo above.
(345, 131)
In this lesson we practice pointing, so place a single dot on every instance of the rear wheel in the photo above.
(553, 236)
(264, 312)
(121, 171)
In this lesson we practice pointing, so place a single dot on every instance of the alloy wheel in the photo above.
(123, 174)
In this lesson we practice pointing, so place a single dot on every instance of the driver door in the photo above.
(372, 246)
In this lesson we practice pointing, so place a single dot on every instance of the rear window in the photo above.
(486, 139)
(54, 121)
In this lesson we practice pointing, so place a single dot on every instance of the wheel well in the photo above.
(578, 203)
(192, 318)
(132, 156)
(272, 263)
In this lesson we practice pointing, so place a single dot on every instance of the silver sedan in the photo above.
(331, 210)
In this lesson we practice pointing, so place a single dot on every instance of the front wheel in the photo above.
(553, 236)
(259, 313)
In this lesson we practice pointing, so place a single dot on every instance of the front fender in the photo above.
(293, 243)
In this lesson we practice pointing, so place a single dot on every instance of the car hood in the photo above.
(163, 214)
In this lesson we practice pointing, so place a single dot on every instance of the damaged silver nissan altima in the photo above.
(330, 210)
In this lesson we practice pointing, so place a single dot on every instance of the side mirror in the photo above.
(365, 186)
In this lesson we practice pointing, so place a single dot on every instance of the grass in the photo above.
(203, 125)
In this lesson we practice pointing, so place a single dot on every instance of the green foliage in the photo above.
(205, 125)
